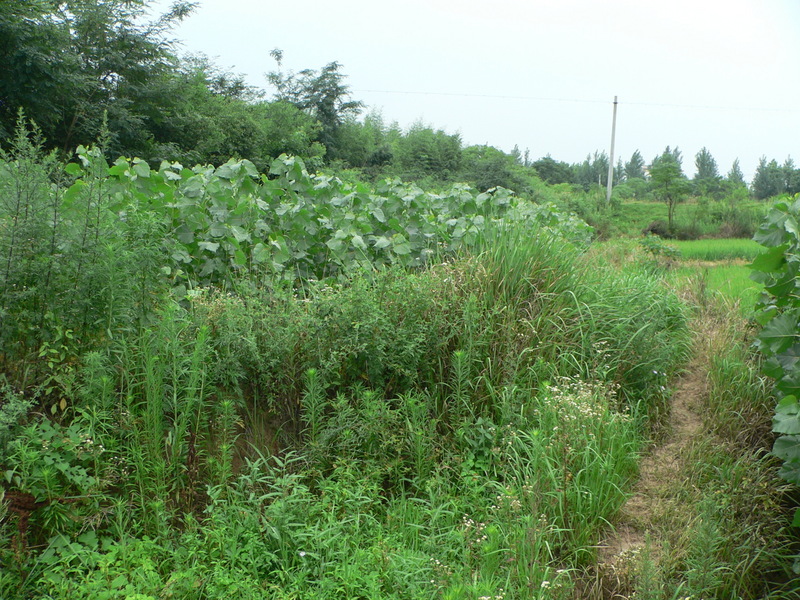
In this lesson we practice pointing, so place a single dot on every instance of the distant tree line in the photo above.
(84, 69)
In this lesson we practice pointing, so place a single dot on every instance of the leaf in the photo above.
(260, 253)
(382, 242)
(210, 246)
(780, 332)
(402, 248)
(770, 261)
(787, 416)
(787, 447)
(334, 244)
(141, 168)
(377, 212)
(240, 234)
(218, 229)
(358, 242)
(73, 169)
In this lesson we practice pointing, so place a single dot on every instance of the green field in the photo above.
(729, 282)
(713, 249)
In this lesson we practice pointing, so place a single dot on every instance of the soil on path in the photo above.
(651, 494)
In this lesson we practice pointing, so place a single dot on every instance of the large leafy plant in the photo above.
(779, 340)
(231, 221)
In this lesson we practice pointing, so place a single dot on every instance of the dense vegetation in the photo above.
(264, 347)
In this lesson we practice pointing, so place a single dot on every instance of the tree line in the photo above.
(79, 68)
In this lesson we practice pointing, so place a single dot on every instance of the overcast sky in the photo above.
(542, 74)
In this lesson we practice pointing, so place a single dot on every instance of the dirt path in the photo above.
(651, 495)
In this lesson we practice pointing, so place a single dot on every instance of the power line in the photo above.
(580, 100)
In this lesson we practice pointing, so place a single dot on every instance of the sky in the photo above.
(541, 74)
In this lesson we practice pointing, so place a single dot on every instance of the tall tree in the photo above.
(67, 63)
(669, 183)
(323, 94)
(791, 177)
(768, 180)
(706, 179)
(592, 171)
(634, 168)
(553, 171)
(424, 151)
(735, 175)
(706, 165)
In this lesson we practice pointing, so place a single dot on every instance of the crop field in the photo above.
(716, 249)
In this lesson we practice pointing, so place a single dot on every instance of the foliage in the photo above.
(653, 245)
(779, 315)
(592, 172)
(71, 62)
(75, 258)
(768, 180)
(635, 167)
(228, 221)
(323, 95)
(707, 181)
(553, 171)
(669, 183)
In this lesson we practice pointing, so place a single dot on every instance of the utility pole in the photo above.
(611, 157)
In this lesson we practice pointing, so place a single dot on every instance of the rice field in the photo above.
(717, 249)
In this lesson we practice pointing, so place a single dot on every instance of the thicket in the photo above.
(449, 407)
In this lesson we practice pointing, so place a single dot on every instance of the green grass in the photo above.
(714, 249)
(730, 282)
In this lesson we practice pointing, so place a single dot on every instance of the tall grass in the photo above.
(462, 432)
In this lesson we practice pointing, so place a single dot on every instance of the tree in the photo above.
(68, 63)
(791, 177)
(322, 94)
(487, 167)
(592, 171)
(423, 151)
(735, 175)
(768, 180)
(553, 171)
(668, 181)
(706, 179)
(634, 168)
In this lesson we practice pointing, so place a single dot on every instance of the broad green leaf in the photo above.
(210, 246)
(377, 212)
(358, 242)
(787, 416)
(787, 447)
(73, 169)
(334, 244)
(218, 229)
(141, 168)
(771, 260)
(781, 332)
(260, 253)
(382, 242)
(240, 234)
(402, 248)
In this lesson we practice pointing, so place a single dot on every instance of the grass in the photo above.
(718, 249)
(729, 282)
